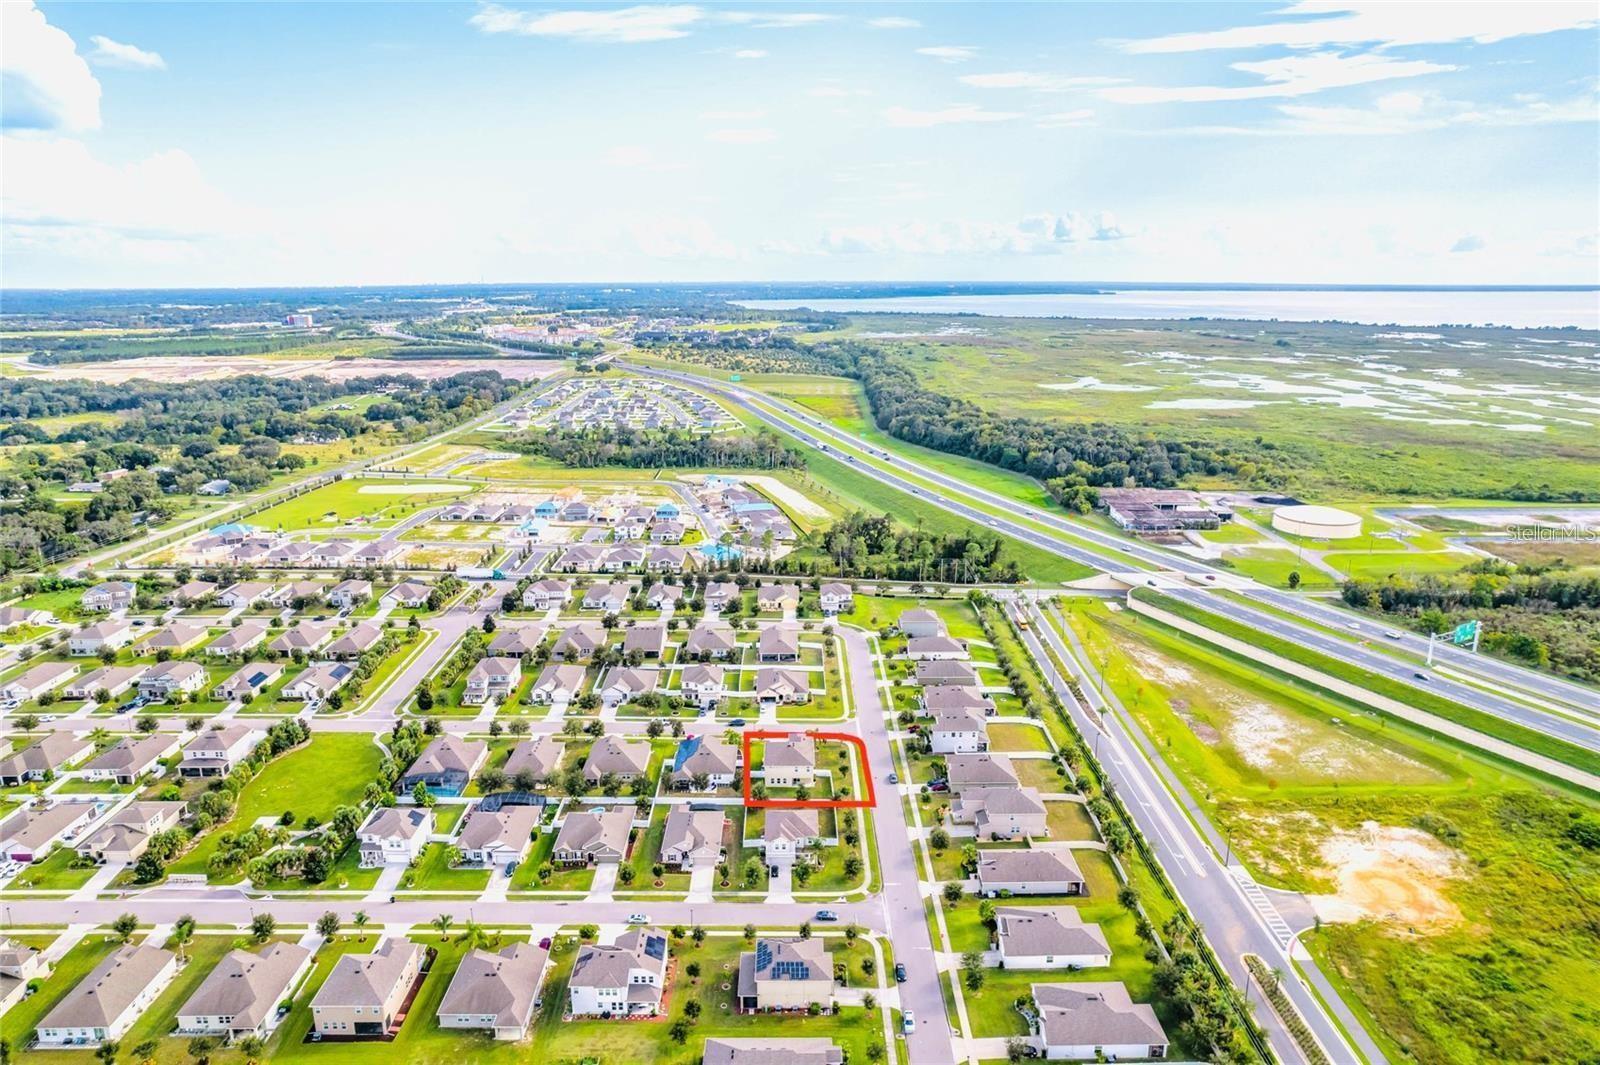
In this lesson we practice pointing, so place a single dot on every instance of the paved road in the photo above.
(954, 496)
(1233, 923)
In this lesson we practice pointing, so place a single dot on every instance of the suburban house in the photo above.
(625, 979)
(594, 836)
(667, 532)
(240, 638)
(243, 593)
(579, 641)
(102, 635)
(921, 622)
(580, 558)
(178, 637)
(122, 837)
(617, 757)
(710, 641)
(1003, 813)
(610, 597)
(786, 833)
(497, 992)
(1096, 1021)
(781, 687)
(798, 1051)
(710, 755)
(538, 756)
(719, 593)
(248, 680)
(778, 643)
(624, 685)
(517, 640)
(47, 676)
(240, 996)
(647, 638)
(492, 678)
(348, 594)
(130, 759)
(557, 683)
(31, 833)
(318, 681)
(957, 731)
(364, 992)
(661, 593)
(955, 699)
(837, 598)
(785, 974)
(172, 679)
(702, 684)
(542, 595)
(113, 680)
(1048, 937)
(305, 637)
(620, 558)
(34, 762)
(777, 597)
(936, 673)
(936, 649)
(394, 835)
(789, 762)
(12, 616)
(499, 837)
(446, 765)
(967, 772)
(356, 642)
(112, 595)
(189, 592)
(410, 594)
(1030, 872)
(19, 965)
(104, 1004)
(215, 752)
(692, 839)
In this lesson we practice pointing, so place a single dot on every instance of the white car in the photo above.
(908, 1022)
(638, 918)
(1392, 634)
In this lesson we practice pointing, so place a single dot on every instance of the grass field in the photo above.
(71, 968)
(312, 780)
(1452, 895)
(344, 500)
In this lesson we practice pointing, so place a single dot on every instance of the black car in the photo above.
(737, 722)
(899, 973)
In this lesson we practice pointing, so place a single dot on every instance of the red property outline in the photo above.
(871, 799)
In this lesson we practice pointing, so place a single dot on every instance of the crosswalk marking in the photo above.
(1275, 923)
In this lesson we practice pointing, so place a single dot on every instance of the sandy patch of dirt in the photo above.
(1395, 875)
(785, 496)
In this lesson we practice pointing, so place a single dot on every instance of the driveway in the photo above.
(701, 883)
(605, 881)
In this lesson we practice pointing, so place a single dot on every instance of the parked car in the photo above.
(827, 915)
(638, 918)
(899, 972)
(908, 1022)
(894, 778)
(737, 722)
(544, 944)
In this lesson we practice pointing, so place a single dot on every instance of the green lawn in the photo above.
(344, 500)
(434, 873)
(71, 968)
(1016, 736)
(313, 780)
(55, 873)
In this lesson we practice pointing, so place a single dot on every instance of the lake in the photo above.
(1520, 309)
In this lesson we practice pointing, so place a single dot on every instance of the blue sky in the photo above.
(235, 144)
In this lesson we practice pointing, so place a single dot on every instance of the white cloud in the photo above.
(44, 83)
(742, 136)
(1293, 75)
(733, 116)
(1023, 79)
(775, 20)
(1409, 112)
(750, 53)
(1384, 23)
(628, 25)
(109, 53)
(680, 238)
(1065, 119)
(949, 53)
(1470, 242)
(894, 22)
(1045, 234)
(833, 90)
(910, 118)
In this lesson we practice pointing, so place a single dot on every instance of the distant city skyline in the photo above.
(1319, 142)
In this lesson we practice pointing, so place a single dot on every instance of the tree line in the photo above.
(660, 448)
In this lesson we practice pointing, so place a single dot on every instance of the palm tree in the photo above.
(146, 1051)
(183, 935)
(252, 1047)
(474, 935)
(108, 1051)
(443, 923)
(360, 919)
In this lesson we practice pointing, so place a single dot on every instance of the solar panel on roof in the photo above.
(763, 956)
(655, 946)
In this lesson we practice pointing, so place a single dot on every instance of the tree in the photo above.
(972, 969)
(125, 926)
(679, 1032)
(182, 935)
(698, 935)
(200, 1049)
(421, 795)
(953, 892)
(253, 1048)
(805, 929)
(146, 1051)
(360, 919)
(851, 931)
(147, 723)
(262, 925)
(939, 839)
(488, 623)
(1294, 579)
(691, 1009)
(108, 1051)
(1016, 1050)
(424, 700)
(693, 970)
(750, 933)
(328, 925)
(443, 923)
